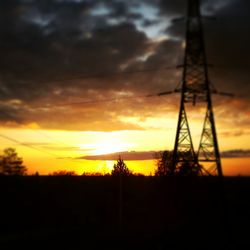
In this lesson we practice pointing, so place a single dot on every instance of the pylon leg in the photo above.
(208, 148)
(183, 150)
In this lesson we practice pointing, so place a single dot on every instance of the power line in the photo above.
(101, 101)
(28, 145)
(109, 100)
(176, 90)
(110, 74)
(41, 133)
(37, 149)
(132, 72)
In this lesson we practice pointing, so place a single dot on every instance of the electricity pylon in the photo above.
(195, 89)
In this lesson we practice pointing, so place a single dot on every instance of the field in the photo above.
(84, 212)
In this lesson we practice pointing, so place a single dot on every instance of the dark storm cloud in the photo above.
(34, 55)
(121, 10)
(50, 32)
(228, 47)
(45, 42)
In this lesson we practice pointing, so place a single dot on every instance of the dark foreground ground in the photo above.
(133, 213)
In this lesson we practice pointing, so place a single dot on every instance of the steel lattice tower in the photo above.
(195, 89)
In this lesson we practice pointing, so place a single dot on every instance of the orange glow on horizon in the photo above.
(46, 151)
(230, 166)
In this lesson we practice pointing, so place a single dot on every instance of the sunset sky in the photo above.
(64, 103)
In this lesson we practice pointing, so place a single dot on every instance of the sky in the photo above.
(64, 99)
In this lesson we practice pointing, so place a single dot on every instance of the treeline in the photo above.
(12, 164)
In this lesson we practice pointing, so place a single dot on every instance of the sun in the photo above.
(107, 146)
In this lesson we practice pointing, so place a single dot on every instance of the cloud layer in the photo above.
(49, 47)
(152, 155)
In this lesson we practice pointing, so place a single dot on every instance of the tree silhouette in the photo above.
(189, 169)
(120, 168)
(11, 163)
(164, 163)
